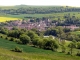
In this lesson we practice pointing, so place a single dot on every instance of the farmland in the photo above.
(51, 12)
(52, 16)
(3, 19)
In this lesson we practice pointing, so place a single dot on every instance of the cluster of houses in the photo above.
(42, 25)
(71, 27)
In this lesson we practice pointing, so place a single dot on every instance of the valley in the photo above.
(26, 33)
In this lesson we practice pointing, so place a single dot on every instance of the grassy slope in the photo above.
(31, 53)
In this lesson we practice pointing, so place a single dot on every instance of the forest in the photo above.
(24, 9)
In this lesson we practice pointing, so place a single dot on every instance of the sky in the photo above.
(40, 2)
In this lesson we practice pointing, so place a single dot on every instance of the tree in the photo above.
(66, 30)
(14, 33)
(71, 46)
(50, 44)
(25, 39)
(54, 45)
(63, 46)
(35, 41)
(32, 35)
(17, 49)
(41, 43)
(3, 30)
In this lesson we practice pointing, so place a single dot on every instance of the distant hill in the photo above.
(25, 9)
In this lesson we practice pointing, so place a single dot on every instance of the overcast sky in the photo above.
(41, 2)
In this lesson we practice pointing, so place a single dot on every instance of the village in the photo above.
(29, 24)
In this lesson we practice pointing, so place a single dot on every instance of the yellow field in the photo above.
(3, 19)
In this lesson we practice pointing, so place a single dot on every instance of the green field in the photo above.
(76, 32)
(52, 16)
(30, 53)
(52, 12)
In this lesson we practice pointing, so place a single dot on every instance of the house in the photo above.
(72, 27)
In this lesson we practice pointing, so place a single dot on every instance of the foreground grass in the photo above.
(30, 53)
(3, 19)
(9, 55)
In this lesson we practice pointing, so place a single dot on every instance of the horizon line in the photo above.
(40, 5)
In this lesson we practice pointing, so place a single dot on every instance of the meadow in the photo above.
(76, 32)
(30, 53)
(52, 16)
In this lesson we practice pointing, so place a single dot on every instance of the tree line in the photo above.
(38, 9)
(32, 37)
(36, 38)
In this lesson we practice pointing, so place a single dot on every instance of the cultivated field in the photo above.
(3, 19)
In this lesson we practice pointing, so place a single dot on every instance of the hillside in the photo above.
(30, 53)
(33, 12)
(23, 9)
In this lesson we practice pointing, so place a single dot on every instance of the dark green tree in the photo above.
(71, 46)
(25, 39)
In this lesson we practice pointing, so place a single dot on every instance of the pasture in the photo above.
(30, 53)
(52, 16)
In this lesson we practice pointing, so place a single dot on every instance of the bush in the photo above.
(12, 39)
(6, 38)
(24, 39)
(68, 53)
(50, 44)
(78, 45)
(18, 41)
(17, 49)
(78, 54)
(1, 36)
(63, 49)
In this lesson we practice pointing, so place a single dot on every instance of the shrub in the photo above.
(1, 36)
(68, 53)
(18, 41)
(12, 39)
(17, 49)
(50, 44)
(78, 45)
(78, 53)
(63, 49)
(6, 38)
(24, 39)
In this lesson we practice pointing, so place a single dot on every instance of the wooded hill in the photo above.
(24, 9)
